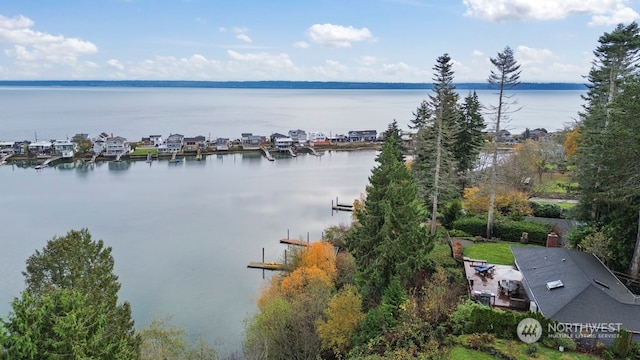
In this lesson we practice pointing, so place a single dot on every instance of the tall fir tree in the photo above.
(434, 163)
(389, 238)
(603, 171)
(469, 138)
(505, 76)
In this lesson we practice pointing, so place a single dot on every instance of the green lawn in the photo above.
(516, 349)
(462, 353)
(145, 151)
(495, 253)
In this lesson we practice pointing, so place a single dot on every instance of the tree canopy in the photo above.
(71, 304)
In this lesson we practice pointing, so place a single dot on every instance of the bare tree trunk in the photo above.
(436, 179)
(634, 269)
(494, 166)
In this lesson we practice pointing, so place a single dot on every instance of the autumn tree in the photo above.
(72, 294)
(389, 238)
(505, 76)
(343, 316)
(285, 326)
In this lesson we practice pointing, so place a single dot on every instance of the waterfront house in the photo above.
(64, 148)
(116, 145)
(190, 144)
(248, 141)
(575, 287)
(363, 135)
(40, 147)
(283, 143)
(275, 136)
(174, 143)
(316, 137)
(222, 144)
(338, 138)
(156, 140)
(7, 147)
(298, 136)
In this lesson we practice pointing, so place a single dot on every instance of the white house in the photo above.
(65, 148)
(117, 146)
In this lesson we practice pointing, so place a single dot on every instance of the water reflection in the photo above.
(119, 165)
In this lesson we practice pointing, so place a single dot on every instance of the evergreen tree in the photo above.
(434, 163)
(505, 76)
(603, 158)
(616, 60)
(389, 239)
(71, 274)
(468, 139)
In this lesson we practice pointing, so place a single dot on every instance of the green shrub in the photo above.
(505, 229)
(577, 234)
(622, 343)
(510, 230)
(547, 210)
(531, 349)
(452, 211)
(473, 225)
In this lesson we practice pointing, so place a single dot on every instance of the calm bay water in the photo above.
(183, 233)
(57, 113)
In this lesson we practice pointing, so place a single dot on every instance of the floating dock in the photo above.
(273, 266)
(340, 207)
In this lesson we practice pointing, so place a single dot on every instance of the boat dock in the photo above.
(273, 266)
(4, 158)
(267, 154)
(340, 207)
(311, 150)
(291, 152)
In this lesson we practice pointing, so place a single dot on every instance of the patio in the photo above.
(496, 285)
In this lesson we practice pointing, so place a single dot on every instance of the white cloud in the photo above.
(477, 53)
(526, 55)
(336, 35)
(301, 44)
(622, 15)
(116, 64)
(240, 30)
(367, 60)
(244, 37)
(30, 45)
(603, 12)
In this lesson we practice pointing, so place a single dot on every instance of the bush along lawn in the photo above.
(495, 253)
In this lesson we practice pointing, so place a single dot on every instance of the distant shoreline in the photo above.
(319, 85)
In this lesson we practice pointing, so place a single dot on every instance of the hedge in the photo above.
(505, 229)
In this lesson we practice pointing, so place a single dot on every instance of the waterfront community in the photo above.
(108, 147)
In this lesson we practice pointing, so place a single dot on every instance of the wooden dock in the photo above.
(294, 242)
(273, 266)
(267, 154)
(340, 207)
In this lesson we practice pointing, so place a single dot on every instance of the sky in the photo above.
(301, 40)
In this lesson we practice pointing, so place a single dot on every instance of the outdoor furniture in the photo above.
(484, 270)
(509, 287)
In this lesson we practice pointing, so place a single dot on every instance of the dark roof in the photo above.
(278, 135)
(363, 132)
(582, 298)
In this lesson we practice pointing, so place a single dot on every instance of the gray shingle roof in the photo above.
(583, 298)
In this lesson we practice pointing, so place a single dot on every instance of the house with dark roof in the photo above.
(575, 287)
(363, 135)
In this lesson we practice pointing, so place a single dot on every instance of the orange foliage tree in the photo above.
(322, 255)
(571, 143)
(302, 278)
